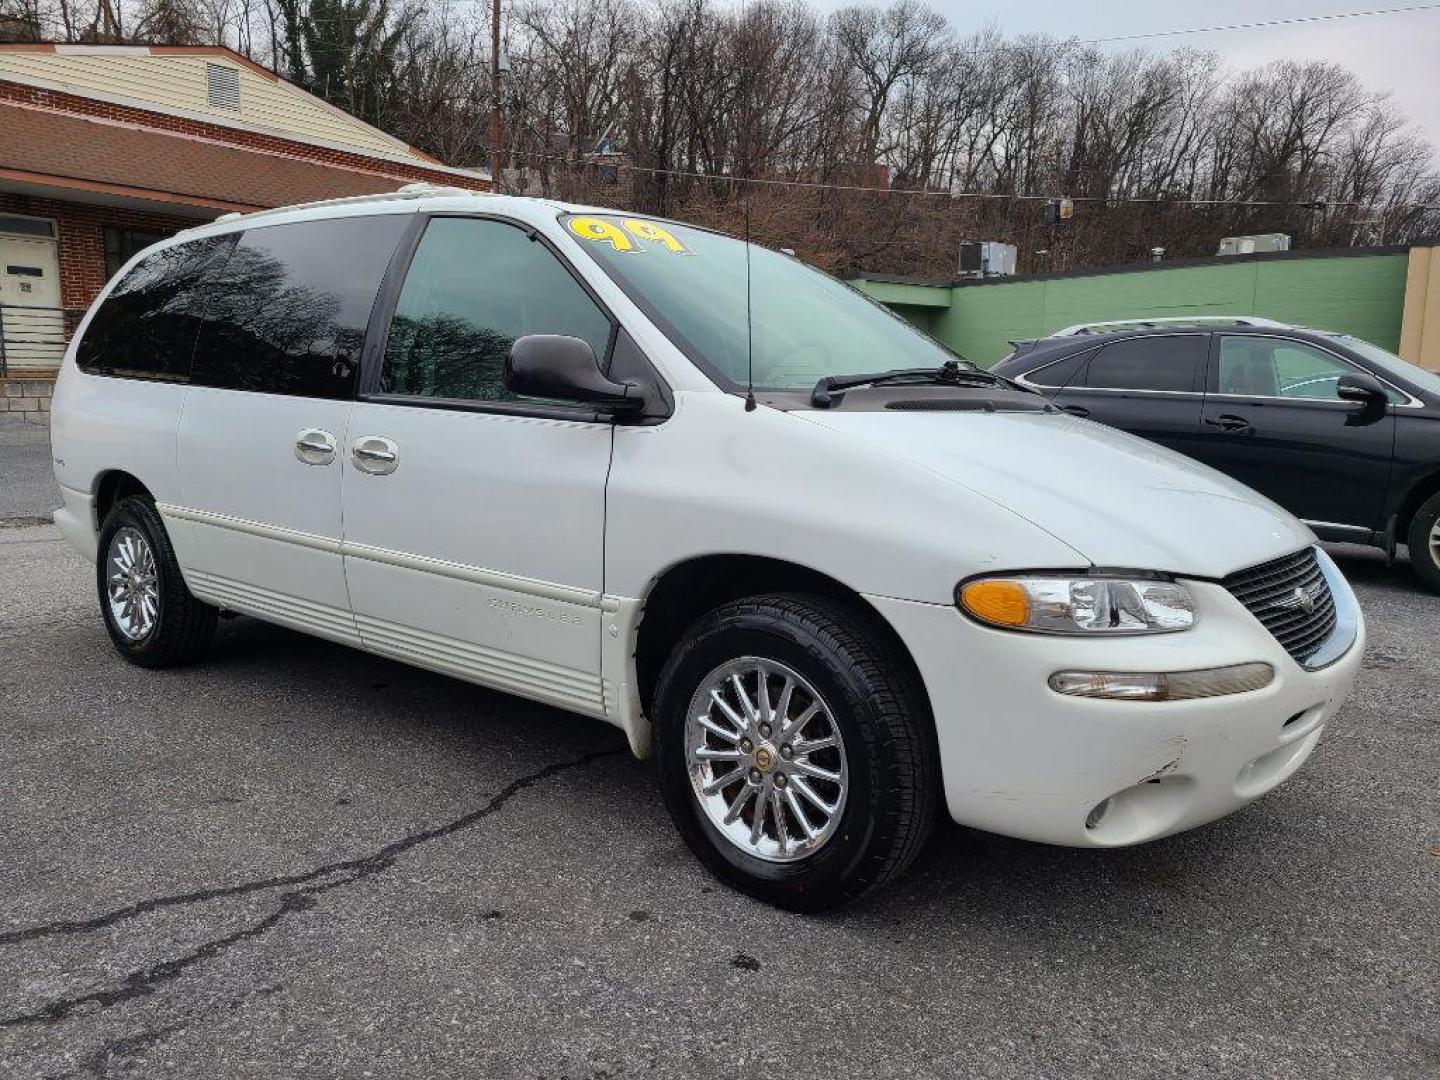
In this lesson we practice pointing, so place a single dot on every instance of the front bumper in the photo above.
(1022, 760)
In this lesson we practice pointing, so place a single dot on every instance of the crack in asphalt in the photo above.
(120, 1052)
(346, 872)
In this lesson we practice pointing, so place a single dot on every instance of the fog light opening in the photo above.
(1097, 815)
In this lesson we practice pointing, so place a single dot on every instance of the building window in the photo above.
(121, 244)
(27, 226)
(222, 87)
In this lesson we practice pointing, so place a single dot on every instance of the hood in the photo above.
(1119, 500)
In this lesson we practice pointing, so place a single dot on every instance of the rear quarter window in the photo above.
(146, 328)
(1063, 372)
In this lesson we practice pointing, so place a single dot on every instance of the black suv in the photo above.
(1338, 431)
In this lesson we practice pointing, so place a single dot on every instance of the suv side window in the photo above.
(473, 288)
(1165, 362)
(1061, 373)
(146, 327)
(1256, 366)
(287, 315)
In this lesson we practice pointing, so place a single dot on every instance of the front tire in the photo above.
(153, 618)
(1423, 540)
(795, 751)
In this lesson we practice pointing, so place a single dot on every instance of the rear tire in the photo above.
(153, 619)
(1423, 540)
(870, 730)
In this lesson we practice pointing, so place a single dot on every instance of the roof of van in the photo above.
(410, 198)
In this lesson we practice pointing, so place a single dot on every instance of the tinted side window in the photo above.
(1064, 372)
(1275, 367)
(1152, 363)
(147, 325)
(473, 288)
(287, 315)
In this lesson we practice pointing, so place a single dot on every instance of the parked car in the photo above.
(647, 473)
(1340, 432)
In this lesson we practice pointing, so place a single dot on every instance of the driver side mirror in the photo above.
(1365, 391)
(565, 368)
(1362, 388)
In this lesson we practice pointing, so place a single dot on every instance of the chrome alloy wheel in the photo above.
(132, 586)
(1435, 543)
(766, 759)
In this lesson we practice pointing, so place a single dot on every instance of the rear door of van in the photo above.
(261, 428)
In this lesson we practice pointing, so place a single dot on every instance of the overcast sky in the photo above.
(1399, 53)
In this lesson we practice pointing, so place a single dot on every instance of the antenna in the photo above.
(749, 322)
(745, 194)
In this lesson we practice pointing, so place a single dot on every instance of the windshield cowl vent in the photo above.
(967, 404)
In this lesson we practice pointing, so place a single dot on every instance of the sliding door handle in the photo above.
(315, 447)
(375, 454)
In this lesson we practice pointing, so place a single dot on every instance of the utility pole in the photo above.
(497, 127)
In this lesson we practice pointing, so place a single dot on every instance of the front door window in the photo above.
(473, 288)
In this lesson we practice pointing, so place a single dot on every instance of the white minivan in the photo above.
(827, 574)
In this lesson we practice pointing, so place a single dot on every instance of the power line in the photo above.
(815, 185)
(1265, 24)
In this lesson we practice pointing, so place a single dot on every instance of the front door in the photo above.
(263, 422)
(474, 520)
(1273, 420)
(30, 317)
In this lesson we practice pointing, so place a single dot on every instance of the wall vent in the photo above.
(222, 87)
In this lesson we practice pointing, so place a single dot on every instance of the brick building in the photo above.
(106, 149)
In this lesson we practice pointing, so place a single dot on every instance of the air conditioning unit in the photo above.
(1248, 245)
(987, 258)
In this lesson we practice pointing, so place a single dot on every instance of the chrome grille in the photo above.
(1279, 592)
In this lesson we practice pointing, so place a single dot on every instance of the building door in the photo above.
(31, 322)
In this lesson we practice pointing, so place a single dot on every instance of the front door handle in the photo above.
(1229, 422)
(1076, 410)
(314, 446)
(375, 454)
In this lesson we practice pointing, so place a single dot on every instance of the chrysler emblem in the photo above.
(1299, 600)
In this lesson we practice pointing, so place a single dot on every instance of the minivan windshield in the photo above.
(1392, 364)
(804, 324)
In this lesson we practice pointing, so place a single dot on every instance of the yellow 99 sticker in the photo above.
(600, 231)
(648, 230)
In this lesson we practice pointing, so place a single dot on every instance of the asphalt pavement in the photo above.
(27, 481)
(296, 860)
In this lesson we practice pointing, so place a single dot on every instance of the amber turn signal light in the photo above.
(1004, 603)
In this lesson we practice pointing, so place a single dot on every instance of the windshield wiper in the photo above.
(950, 373)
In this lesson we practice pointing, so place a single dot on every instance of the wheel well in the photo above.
(1412, 502)
(114, 486)
(690, 589)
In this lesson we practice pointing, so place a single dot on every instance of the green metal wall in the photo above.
(1362, 295)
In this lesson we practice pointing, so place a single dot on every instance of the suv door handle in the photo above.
(1236, 425)
(315, 447)
(1076, 410)
(375, 454)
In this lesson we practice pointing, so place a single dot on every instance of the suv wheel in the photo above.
(794, 751)
(1423, 540)
(153, 618)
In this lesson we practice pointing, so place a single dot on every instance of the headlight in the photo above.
(1078, 605)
